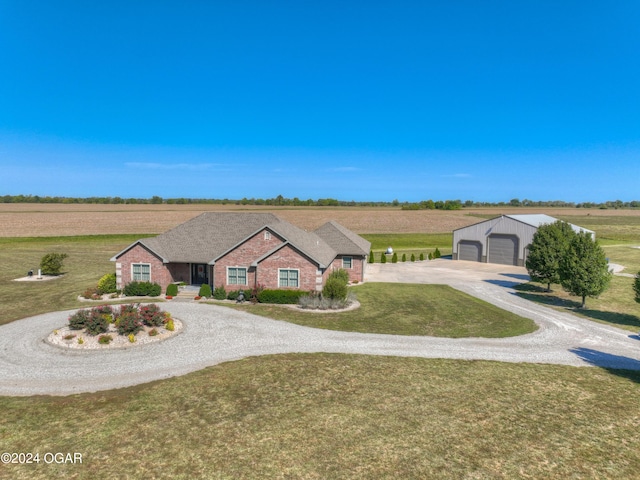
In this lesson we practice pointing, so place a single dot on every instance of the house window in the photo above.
(140, 272)
(236, 276)
(267, 235)
(347, 262)
(288, 278)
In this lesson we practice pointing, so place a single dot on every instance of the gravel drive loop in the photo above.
(214, 334)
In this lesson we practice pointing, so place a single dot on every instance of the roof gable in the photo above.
(343, 240)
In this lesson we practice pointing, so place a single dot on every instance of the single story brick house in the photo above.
(242, 250)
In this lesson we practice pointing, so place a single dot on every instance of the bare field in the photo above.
(45, 220)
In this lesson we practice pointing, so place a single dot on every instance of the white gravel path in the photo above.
(214, 334)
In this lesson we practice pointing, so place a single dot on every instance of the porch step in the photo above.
(186, 294)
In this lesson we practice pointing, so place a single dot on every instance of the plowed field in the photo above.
(43, 220)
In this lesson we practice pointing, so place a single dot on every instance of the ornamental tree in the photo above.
(51, 263)
(549, 245)
(583, 268)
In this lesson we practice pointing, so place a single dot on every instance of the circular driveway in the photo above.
(215, 334)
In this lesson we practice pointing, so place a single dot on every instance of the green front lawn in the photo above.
(340, 416)
(409, 309)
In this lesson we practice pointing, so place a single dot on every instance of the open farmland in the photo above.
(47, 220)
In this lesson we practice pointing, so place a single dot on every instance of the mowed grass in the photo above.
(341, 416)
(88, 260)
(409, 309)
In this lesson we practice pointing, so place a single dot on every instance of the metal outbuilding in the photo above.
(503, 239)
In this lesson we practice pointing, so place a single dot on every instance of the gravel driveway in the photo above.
(214, 334)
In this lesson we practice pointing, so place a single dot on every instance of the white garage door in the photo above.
(470, 250)
(503, 249)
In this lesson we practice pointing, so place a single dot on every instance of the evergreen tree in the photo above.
(583, 268)
(394, 258)
(549, 245)
(371, 258)
(636, 287)
(383, 258)
(404, 257)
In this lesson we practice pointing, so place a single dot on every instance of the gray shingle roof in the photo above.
(207, 237)
(343, 240)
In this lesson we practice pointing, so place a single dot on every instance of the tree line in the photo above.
(320, 202)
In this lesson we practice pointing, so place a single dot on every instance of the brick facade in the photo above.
(265, 247)
(160, 273)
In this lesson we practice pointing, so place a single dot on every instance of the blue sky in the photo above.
(408, 100)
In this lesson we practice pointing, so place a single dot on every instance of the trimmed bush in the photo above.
(413, 257)
(371, 257)
(394, 258)
(172, 290)
(152, 316)
(105, 339)
(78, 320)
(281, 297)
(219, 293)
(170, 326)
(335, 288)
(437, 254)
(97, 322)
(404, 257)
(430, 256)
(383, 258)
(142, 289)
(422, 257)
(107, 284)
(128, 321)
(205, 290)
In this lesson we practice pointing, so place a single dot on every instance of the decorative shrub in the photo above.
(80, 340)
(319, 302)
(371, 257)
(152, 316)
(341, 274)
(205, 290)
(394, 258)
(404, 257)
(430, 256)
(129, 320)
(421, 257)
(106, 310)
(105, 339)
(383, 258)
(91, 293)
(71, 336)
(413, 257)
(335, 288)
(281, 297)
(78, 320)
(51, 263)
(107, 284)
(97, 322)
(142, 289)
(170, 326)
(437, 254)
(153, 332)
(132, 338)
(219, 293)
(172, 290)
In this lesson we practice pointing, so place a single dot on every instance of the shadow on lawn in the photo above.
(618, 365)
(540, 295)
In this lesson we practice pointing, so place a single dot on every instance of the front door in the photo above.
(199, 273)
